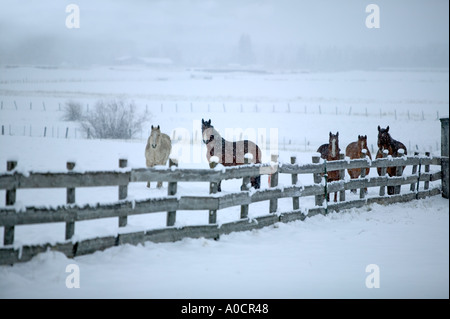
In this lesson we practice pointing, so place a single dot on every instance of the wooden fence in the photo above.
(71, 213)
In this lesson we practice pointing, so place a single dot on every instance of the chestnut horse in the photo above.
(229, 153)
(330, 152)
(354, 150)
(386, 142)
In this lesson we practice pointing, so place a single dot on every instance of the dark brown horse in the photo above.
(330, 152)
(386, 142)
(229, 153)
(354, 150)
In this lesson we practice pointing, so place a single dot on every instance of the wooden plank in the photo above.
(248, 224)
(172, 234)
(10, 199)
(177, 175)
(65, 180)
(123, 193)
(317, 177)
(342, 178)
(9, 181)
(429, 193)
(171, 191)
(392, 199)
(213, 189)
(301, 169)
(104, 178)
(89, 246)
(296, 214)
(344, 164)
(234, 172)
(294, 180)
(235, 199)
(70, 199)
(37, 215)
(198, 203)
(273, 205)
(134, 238)
(244, 190)
(10, 255)
(266, 194)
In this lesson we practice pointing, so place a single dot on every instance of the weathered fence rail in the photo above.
(10, 216)
(70, 213)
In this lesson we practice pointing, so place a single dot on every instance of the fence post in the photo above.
(8, 237)
(213, 188)
(295, 200)
(362, 190)
(70, 199)
(399, 171)
(427, 170)
(123, 193)
(171, 190)
(274, 183)
(383, 174)
(444, 152)
(414, 171)
(342, 177)
(317, 179)
(244, 187)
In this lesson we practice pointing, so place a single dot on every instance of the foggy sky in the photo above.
(286, 33)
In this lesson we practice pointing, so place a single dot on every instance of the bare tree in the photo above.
(73, 111)
(114, 119)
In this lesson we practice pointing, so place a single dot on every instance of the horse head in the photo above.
(362, 141)
(208, 131)
(384, 138)
(155, 136)
(334, 144)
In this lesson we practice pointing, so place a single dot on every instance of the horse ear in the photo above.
(379, 128)
(158, 127)
(209, 122)
(337, 133)
(387, 129)
(203, 121)
(359, 136)
(330, 134)
(152, 127)
(365, 137)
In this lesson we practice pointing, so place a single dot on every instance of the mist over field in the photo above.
(287, 34)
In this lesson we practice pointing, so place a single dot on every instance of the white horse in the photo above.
(157, 150)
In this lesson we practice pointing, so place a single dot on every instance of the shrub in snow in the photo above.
(114, 119)
(73, 111)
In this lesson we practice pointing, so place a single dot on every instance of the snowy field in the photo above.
(291, 113)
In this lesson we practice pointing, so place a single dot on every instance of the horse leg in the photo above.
(219, 187)
(159, 184)
(148, 184)
(256, 182)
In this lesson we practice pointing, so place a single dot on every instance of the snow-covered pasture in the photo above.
(324, 256)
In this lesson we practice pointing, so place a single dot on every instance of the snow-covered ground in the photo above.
(323, 257)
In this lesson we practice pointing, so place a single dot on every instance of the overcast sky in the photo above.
(35, 30)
